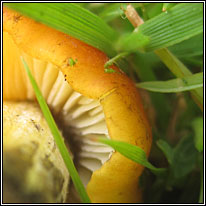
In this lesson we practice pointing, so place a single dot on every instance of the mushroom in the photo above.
(87, 101)
(33, 169)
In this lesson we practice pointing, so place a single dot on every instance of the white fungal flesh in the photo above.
(85, 116)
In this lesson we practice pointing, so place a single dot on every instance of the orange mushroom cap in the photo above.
(117, 180)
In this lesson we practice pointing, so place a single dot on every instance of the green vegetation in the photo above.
(161, 49)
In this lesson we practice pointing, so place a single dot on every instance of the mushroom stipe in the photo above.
(89, 103)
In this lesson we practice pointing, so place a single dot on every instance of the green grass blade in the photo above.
(180, 71)
(151, 10)
(114, 59)
(197, 126)
(184, 157)
(71, 19)
(189, 48)
(167, 6)
(112, 11)
(175, 85)
(201, 163)
(166, 149)
(132, 152)
(58, 139)
(179, 23)
(173, 63)
(132, 42)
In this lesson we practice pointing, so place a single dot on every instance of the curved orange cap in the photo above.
(117, 180)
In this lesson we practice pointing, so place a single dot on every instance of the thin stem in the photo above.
(179, 70)
(133, 16)
(114, 59)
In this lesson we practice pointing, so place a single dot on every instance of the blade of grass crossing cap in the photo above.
(133, 153)
(58, 138)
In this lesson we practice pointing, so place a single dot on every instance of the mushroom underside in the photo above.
(80, 118)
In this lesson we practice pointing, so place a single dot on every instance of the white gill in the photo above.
(84, 115)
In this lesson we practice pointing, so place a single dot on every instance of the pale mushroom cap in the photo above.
(117, 179)
(31, 159)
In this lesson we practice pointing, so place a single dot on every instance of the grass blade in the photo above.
(197, 126)
(132, 42)
(180, 71)
(166, 149)
(175, 85)
(184, 157)
(167, 6)
(58, 138)
(132, 152)
(201, 163)
(179, 23)
(71, 19)
(112, 11)
(114, 59)
(189, 48)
